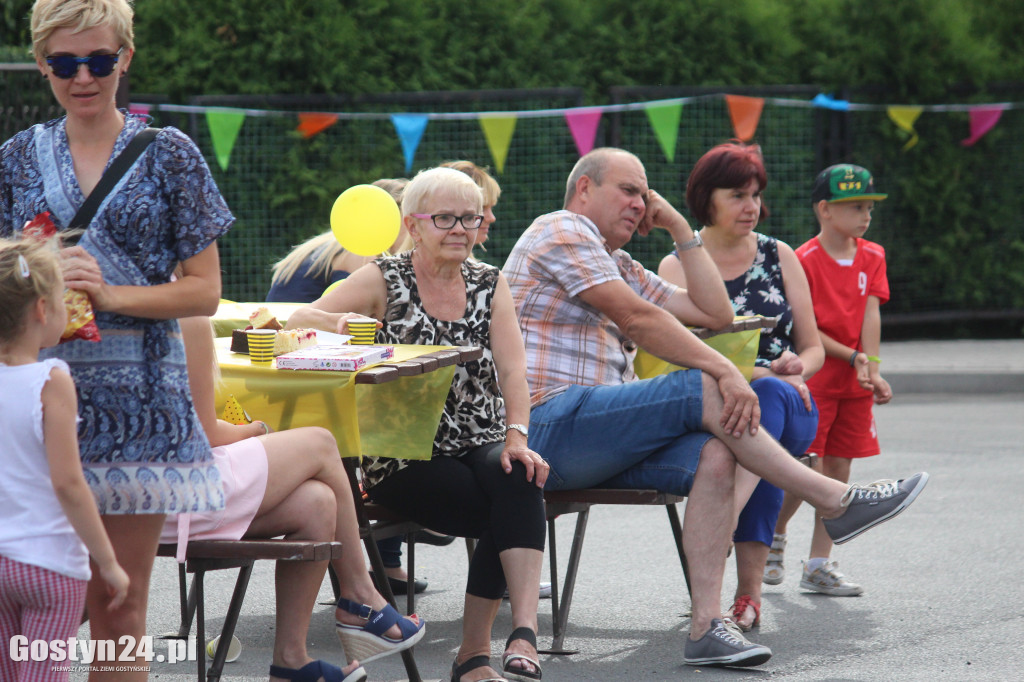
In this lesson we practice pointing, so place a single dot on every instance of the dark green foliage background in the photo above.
(953, 228)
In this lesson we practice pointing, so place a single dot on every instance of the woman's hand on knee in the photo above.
(536, 468)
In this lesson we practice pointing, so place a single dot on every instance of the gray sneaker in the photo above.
(869, 505)
(724, 644)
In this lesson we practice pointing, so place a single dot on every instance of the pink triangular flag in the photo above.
(583, 125)
(983, 119)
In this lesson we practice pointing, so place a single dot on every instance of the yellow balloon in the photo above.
(365, 220)
(334, 285)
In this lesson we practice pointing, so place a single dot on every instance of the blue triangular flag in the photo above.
(410, 129)
(826, 102)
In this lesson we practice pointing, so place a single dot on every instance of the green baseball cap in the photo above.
(845, 182)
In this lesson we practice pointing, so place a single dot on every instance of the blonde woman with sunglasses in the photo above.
(142, 447)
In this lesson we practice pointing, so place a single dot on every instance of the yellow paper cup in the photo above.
(261, 345)
(363, 330)
(234, 649)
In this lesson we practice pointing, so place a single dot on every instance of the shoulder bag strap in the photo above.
(117, 169)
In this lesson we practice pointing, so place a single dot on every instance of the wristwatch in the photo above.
(692, 244)
(518, 427)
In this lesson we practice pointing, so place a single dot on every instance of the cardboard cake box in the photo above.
(346, 358)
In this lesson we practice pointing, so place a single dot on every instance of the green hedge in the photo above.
(953, 227)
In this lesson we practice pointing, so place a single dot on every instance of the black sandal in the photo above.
(523, 674)
(472, 664)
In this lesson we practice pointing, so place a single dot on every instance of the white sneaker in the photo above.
(545, 591)
(774, 570)
(827, 579)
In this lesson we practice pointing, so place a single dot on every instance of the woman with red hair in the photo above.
(763, 277)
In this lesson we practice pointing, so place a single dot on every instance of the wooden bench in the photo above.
(212, 555)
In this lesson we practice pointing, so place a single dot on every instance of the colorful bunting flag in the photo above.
(664, 119)
(983, 119)
(826, 102)
(498, 131)
(904, 118)
(745, 113)
(224, 126)
(410, 129)
(313, 123)
(583, 125)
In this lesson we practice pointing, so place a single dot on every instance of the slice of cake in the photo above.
(262, 319)
(288, 340)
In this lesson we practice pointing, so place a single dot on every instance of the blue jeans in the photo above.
(642, 434)
(784, 416)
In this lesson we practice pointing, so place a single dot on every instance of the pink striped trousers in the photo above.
(41, 605)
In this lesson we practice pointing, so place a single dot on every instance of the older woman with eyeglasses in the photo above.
(482, 480)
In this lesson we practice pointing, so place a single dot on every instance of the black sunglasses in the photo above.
(65, 66)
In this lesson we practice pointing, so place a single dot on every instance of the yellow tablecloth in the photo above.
(394, 419)
(740, 347)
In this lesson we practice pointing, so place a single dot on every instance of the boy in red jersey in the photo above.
(848, 285)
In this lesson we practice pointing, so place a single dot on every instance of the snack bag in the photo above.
(81, 318)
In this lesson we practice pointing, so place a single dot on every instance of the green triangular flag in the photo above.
(498, 131)
(664, 119)
(224, 126)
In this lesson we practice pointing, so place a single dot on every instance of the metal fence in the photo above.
(281, 186)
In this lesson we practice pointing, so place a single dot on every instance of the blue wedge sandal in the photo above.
(315, 670)
(367, 642)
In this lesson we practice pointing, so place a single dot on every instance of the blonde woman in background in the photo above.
(488, 185)
(317, 263)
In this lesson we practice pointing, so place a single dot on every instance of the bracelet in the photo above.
(263, 425)
(875, 359)
(853, 358)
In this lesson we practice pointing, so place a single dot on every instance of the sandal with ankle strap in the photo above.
(315, 670)
(523, 674)
(368, 642)
(472, 664)
(739, 607)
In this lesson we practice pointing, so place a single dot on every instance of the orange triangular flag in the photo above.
(312, 123)
(745, 113)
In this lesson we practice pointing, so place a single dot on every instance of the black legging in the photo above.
(471, 496)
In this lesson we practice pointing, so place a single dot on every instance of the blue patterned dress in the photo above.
(143, 449)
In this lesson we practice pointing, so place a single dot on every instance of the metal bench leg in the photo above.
(677, 533)
(230, 621)
(410, 572)
(197, 583)
(560, 608)
(187, 600)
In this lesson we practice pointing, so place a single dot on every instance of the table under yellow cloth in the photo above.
(393, 419)
(740, 347)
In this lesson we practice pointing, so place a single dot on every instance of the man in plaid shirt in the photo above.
(584, 305)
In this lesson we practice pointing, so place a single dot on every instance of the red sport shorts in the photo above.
(846, 427)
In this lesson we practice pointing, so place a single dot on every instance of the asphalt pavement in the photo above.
(942, 581)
